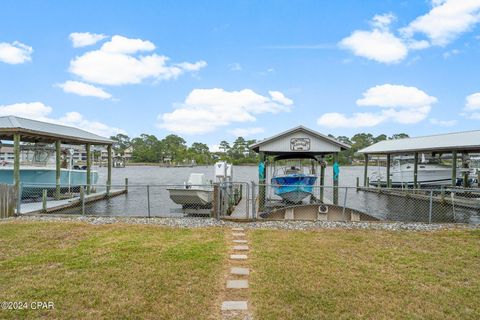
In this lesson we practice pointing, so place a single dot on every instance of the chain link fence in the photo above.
(446, 205)
(241, 200)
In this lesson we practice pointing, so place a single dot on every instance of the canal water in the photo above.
(383, 207)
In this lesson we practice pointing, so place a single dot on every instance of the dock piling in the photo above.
(126, 185)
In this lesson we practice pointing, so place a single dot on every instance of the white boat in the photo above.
(429, 173)
(38, 171)
(195, 192)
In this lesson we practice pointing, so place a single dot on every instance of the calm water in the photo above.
(381, 206)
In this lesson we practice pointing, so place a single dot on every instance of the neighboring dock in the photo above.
(65, 204)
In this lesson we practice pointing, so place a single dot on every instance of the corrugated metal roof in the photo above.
(34, 128)
(300, 128)
(457, 141)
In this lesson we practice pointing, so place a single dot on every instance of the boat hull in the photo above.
(425, 177)
(191, 197)
(293, 188)
(35, 180)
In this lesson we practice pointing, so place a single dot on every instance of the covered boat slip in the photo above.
(22, 130)
(310, 149)
(459, 145)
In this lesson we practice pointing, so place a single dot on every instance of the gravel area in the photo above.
(191, 222)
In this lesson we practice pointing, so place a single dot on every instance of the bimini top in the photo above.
(299, 140)
(39, 131)
(457, 141)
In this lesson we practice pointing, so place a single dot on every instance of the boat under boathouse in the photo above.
(452, 147)
(297, 143)
(22, 130)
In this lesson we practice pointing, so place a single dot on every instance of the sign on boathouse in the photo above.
(299, 140)
(300, 144)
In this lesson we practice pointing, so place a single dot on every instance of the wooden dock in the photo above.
(58, 205)
(438, 196)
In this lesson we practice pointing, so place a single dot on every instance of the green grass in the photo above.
(335, 274)
(111, 271)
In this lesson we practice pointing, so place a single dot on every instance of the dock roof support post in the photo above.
(365, 171)
(389, 182)
(89, 167)
(465, 169)
(335, 179)
(262, 172)
(415, 170)
(16, 160)
(109, 172)
(322, 178)
(58, 166)
(454, 168)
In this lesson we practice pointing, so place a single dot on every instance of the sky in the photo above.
(213, 70)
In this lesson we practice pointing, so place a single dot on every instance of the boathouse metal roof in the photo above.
(299, 140)
(39, 131)
(468, 141)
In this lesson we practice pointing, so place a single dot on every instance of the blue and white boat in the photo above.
(38, 172)
(293, 184)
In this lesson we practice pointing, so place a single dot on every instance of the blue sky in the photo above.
(243, 67)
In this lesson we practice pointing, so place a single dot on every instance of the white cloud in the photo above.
(15, 53)
(120, 44)
(83, 39)
(450, 53)
(84, 89)
(205, 110)
(280, 98)
(41, 112)
(32, 110)
(398, 103)
(443, 123)
(235, 66)
(115, 64)
(472, 102)
(379, 44)
(446, 21)
(246, 132)
(357, 120)
(391, 95)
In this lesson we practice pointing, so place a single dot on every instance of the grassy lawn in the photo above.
(336, 274)
(111, 271)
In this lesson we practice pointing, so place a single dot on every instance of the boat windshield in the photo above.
(294, 167)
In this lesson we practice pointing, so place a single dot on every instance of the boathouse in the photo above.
(300, 142)
(458, 144)
(19, 130)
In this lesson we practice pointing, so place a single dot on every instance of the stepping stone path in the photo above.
(238, 275)
(239, 241)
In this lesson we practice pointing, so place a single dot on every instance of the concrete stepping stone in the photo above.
(237, 284)
(239, 271)
(238, 229)
(234, 305)
(239, 241)
(238, 256)
(238, 234)
(240, 248)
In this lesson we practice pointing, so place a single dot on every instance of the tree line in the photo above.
(173, 149)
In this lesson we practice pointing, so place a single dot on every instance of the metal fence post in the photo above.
(254, 214)
(82, 199)
(44, 200)
(344, 203)
(431, 207)
(148, 200)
